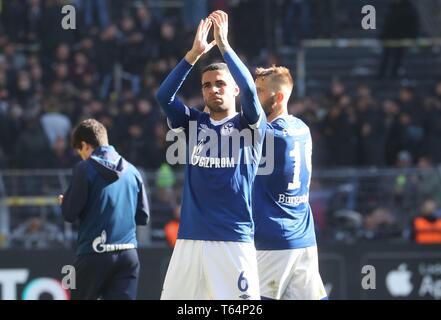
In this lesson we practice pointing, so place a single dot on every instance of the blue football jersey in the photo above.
(281, 211)
(216, 203)
(220, 169)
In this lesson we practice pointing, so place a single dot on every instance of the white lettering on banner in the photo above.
(11, 278)
(430, 268)
(431, 287)
(368, 282)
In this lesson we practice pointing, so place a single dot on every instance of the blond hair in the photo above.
(280, 77)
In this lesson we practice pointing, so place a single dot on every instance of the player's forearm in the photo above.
(240, 73)
(224, 47)
(192, 57)
(250, 102)
(166, 94)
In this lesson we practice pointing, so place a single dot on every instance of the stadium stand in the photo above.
(386, 129)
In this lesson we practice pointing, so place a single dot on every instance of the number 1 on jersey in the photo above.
(296, 155)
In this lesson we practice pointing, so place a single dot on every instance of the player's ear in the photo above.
(279, 96)
(236, 90)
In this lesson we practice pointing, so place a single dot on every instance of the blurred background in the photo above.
(372, 99)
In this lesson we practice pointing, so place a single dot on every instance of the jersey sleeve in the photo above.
(142, 214)
(75, 198)
(178, 114)
(251, 108)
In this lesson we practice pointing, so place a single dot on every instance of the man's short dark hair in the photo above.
(216, 66)
(90, 131)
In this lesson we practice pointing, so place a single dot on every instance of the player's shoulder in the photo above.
(199, 115)
(291, 123)
(132, 168)
(83, 166)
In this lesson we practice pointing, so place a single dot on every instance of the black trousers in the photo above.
(108, 276)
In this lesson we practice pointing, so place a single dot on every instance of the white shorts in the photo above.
(290, 274)
(219, 270)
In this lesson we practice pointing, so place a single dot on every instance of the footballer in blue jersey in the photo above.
(214, 256)
(284, 236)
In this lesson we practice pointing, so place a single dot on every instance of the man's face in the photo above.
(219, 90)
(85, 151)
(267, 96)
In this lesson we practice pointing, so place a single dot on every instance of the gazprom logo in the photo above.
(98, 244)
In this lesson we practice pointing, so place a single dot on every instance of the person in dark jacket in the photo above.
(401, 22)
(108, 198)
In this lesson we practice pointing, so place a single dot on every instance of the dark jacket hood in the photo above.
(109, 164)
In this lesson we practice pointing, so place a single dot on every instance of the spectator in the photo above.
(401, 22)
(157, 146)
(148, 25)
(108, 52)
(55, 125)
(36, 233)
(91, 8)
(170, 42)
(135, 148)
(2, 159)
(391, 113)
(429, 183)
(380, 224)
(164, 201)
(172, 227)
(34, 21)
(371, 130)
(296, 21)
(23, 91)
(15, 20)
(53, 36)
(427, 225)
(62, 157)
(32, 149)
(193, 12)
(433, 126)
(404, 186)
(340, 125)
(13, 59)
(134, 53)
(81, 66)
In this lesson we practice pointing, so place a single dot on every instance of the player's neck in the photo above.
(275, 114)
(217, 116)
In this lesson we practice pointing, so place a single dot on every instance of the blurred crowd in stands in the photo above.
(51, 78)
(109, 68)
(356, 129)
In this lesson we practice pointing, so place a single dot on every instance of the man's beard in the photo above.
(269, 105)
(216, 107)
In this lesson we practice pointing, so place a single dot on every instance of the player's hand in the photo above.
(60, 199)
(200, 44)
(220, 21)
